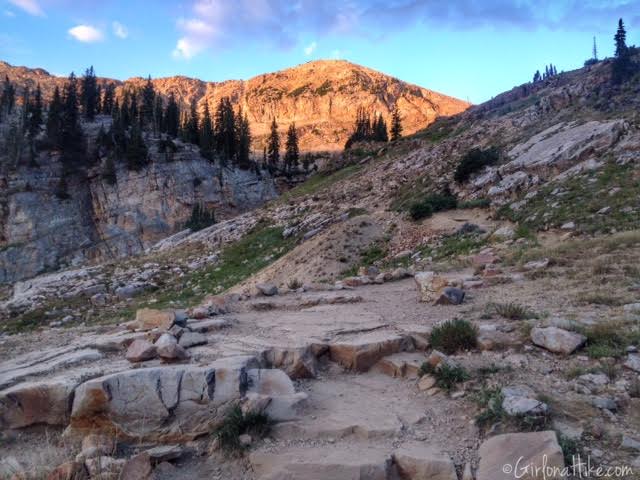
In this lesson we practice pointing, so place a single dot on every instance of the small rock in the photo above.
(450, 296)
(69, 471)
(504, 233)
(245, 439)
(633, 363)
(630, 443)
(165, 453)
(426, 382)
(192, 339)
(140, 351)
(537, 264)
(137, 467)
(267, 289)
(604, 403)
(557, 340)
(149, 318)
(568, 226)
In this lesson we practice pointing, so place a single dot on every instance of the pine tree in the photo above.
(7, 99)
(244, 140)
(108, 98)
(623, 67)
(109, 170)
(396, 125)
(35, 113)
(226, 131)
(89, 94)
(158, 119)
(537, 77)
(98, 100)
(54, 120)
(292, 153)
(191, 126)
(206, 133)
(172, 117)
(72, 141)
(264, 157)
(273, 147)
(136, 150)
(380, 133)
(148, 99)
(134, 111)
(595, 50)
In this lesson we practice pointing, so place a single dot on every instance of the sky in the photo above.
(470, 49)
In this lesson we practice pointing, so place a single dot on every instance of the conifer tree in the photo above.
(54, 119)
(380, 133)
(158, 119)
(623, 67)
(191, 126)
(148, 100)
(35, 113)
(244, 140)
(206, 133)
(292, 153)
(134, 112)
(136, 150)
(72, 141)
(89, 94)
(273, 147)
(396, 125)
(98, 100)
(226, 131)
(7, 98)
(172, 117)
(108, 98)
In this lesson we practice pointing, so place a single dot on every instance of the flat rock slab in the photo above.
(364, 406)
(504, 456)
(353, 462)
(41, 363)
(404, 364)
(420, 461)
(162, 403)
(364, 351)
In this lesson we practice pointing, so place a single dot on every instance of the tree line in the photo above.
(366, 129)
(137, 116)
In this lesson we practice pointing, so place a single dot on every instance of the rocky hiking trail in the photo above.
(337, 371)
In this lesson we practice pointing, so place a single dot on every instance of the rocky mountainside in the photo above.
(321, 97)
(475, 285)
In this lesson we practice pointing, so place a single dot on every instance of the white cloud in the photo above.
(9, 13)
(86, 33)
(119, 30)
(309, 49)
(32, 7)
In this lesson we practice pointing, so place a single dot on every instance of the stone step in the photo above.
(334, 409)
(403, 365)
(344, 462)
(362, 352)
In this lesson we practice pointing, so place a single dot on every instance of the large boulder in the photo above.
(419, 461)
(508, 456)
(149, 318)
(557, 340)
(429, 286)
(42, 402)
(362, 353)
(297, 362)
(141, 350)
(520, 400)
(173, 403)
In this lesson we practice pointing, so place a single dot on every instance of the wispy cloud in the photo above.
(9, 13)
(119, 30)
(213, 24)
(309, 49)
(32, 7)
(86, 33)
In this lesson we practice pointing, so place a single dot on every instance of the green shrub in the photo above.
(237, 423)
(477, 203)
(570, 448)
(473, 161)
(432, 204)
(490, 401)
(200, 218)
(453, 336)
(512, 311)
(448, 376)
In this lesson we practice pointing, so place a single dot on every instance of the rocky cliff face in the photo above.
(100, 221)
(321, 97)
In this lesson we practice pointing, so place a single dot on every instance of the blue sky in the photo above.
(472, 49)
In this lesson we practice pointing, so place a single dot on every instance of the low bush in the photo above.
(512, 311)
(432, 204)
(237, 423)
(200, 218)
(453, 336)
(473, 161)
(447, 376)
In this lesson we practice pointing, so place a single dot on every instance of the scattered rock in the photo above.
(557, 340)
(165, 453)
(537, 264)
(192, 339)
(499, 455)
(520, 400)
(633, 363)
(104, 467)
(137, 467)
(149, 318)
(630, 443)
(417, 461)
(267, 289)
(450, 296)
(426, 382)
(430, 286)
(504, 233)
(140, 351)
